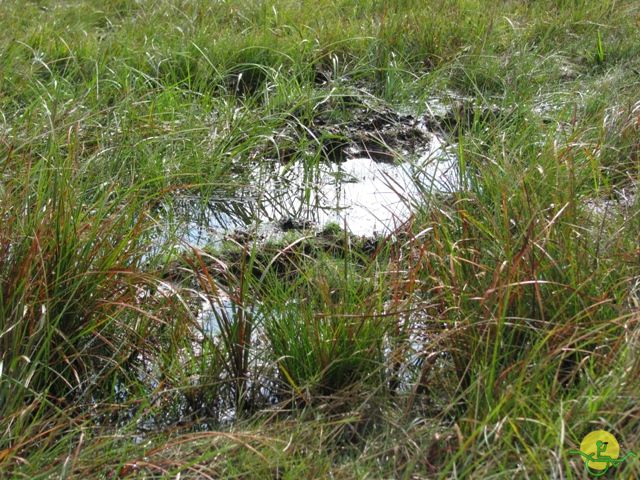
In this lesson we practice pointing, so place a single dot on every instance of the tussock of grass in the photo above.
(482, 338)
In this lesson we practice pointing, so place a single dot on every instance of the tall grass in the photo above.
(71, 283)
(482, 338)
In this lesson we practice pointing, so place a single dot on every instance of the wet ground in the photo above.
(369, 176)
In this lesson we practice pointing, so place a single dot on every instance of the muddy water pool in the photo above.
(366, 196)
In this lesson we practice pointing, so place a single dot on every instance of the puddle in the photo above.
(364, 189)
(370, 197)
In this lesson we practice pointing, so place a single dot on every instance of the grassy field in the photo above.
(484, 338)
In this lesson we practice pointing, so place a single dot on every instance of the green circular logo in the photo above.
(600, 444)
(600, 451)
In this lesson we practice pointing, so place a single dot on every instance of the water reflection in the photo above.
(367, 196)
